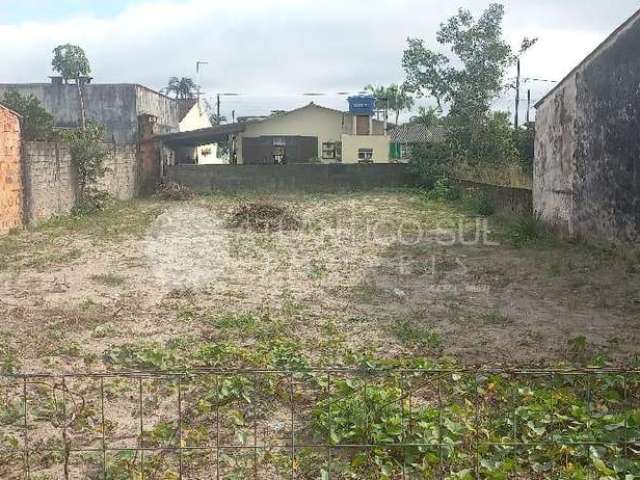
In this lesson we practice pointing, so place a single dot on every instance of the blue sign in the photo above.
(362, 104)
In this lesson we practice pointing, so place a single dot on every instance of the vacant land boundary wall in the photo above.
(10, 171)
(505, 199)
(276, 178)
(49, 178)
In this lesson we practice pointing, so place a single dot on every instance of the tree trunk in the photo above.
(83, 119)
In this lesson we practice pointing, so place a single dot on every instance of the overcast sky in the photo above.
(273, 51)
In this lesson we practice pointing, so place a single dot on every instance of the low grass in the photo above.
(412, 333)
(51, 242)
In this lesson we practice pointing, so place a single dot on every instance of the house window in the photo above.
(279, 142)
(332, 151)
(278, 155)
(365, 154)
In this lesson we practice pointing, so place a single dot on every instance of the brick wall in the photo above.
(10, 171)
(50, 177)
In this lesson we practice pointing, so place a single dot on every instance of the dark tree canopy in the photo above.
(37, 123)
(70, 62)
(182, 88)
(467, 84)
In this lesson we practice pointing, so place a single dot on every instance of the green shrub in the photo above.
(37, 123)
(444, 189)
(480, 203)
(525, 230)
(429, 163)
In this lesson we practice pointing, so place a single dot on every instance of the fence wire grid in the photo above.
(321, 423)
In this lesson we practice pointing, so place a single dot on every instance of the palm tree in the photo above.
(395, 98)
(182, 88)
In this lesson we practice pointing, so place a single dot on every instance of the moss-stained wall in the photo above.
(587, 165)
(117, 106)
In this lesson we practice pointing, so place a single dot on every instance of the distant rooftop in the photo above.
(417, 133)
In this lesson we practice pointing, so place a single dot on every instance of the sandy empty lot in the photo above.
(382, 274)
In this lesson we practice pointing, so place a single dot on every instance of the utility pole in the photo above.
(233, 116)
(517, 117)
(198, 63)
(528, 106)
(218, 107)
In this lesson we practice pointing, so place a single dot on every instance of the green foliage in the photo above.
(465, 87)
(490, 141)
(548, 413)
(8, 362)
(429, 163)
(525, 230)
(482, 56)
(480, 203)
(412, 333)
(524, 140)
(182, 88)
(70, 62)
(88, 154)
(37, 123)
(444, 189)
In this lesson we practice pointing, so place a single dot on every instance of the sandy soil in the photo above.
(362, 263)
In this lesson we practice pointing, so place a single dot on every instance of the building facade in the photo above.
(312, 134)
(587, 150)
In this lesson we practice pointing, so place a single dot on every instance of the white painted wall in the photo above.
(196, 119)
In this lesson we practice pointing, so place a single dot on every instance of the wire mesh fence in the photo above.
(321, 424)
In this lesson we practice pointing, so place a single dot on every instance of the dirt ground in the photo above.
(385, 274)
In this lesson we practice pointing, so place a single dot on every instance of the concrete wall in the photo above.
(352, 143)
(276, 178)
(167, 110)
(518, 201)
(587, 165)
(50, 181)
(10, 171)
(117, 106)
(311, 121)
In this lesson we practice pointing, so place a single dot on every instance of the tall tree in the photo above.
(468, 84)
(71, 62)
(395, 98)
(182, 88)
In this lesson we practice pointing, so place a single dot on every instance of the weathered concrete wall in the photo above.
(10, 171)
(275, 178)
(518, 201)
(50, 181)
(117, 106)
(167, 110)
(587, 167)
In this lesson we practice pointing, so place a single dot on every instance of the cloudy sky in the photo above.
(274, 51)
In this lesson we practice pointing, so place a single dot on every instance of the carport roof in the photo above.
(202, 136)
